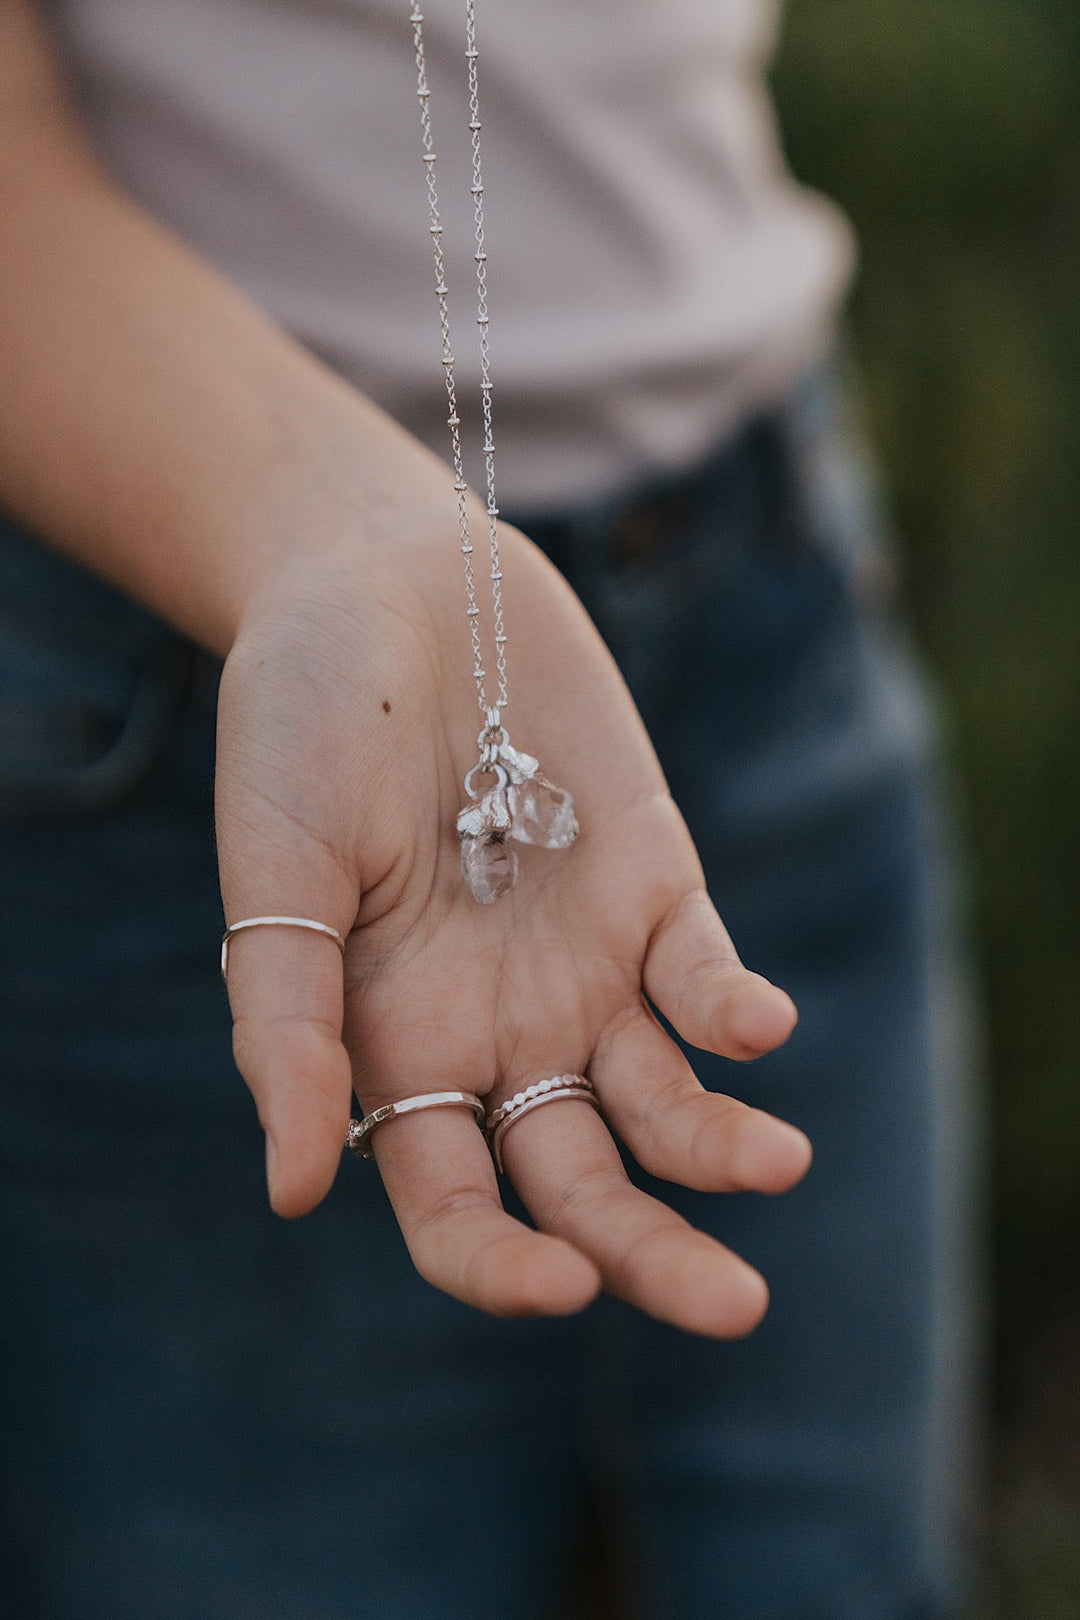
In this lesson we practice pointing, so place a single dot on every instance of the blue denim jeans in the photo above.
(214, 1415)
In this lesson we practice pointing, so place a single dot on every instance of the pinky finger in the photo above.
(694, 975)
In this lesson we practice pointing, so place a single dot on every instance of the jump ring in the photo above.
(496, 770)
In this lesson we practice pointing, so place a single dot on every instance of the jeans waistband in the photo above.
(798, 472)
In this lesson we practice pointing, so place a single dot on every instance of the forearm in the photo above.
(154, 424)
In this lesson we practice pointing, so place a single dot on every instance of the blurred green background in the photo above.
(950, 131)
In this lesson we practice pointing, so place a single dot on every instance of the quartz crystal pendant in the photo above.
(489, 865)
(524, 806)
(518, 766)
(488, 862)
(541, 813)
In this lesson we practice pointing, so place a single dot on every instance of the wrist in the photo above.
(335, 490)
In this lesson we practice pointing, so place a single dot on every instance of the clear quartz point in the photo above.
(489, 865)
(541, 813)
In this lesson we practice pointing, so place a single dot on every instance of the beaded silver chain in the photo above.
(522, 806)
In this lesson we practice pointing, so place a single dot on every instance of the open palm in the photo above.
(346, 726)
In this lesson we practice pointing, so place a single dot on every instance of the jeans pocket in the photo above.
(90, 685)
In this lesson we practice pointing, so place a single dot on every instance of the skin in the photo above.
(158, 428)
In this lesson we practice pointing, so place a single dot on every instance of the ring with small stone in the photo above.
(362, 1130)
(534, 1096)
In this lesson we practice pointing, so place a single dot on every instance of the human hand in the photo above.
(268, 511)
(346, 724)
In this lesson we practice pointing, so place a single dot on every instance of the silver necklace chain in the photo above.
(522, 807)
(492, 713)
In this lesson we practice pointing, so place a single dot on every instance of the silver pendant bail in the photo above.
(491, 739)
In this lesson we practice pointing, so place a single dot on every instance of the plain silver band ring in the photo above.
(563, 1093)
(275, 922)
(554, 1082)
(362, 1130)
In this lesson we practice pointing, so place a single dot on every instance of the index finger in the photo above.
(285, 990)
(286, 987)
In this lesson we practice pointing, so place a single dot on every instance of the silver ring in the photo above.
(361, 1130)
(534, 1096)
(275, 922)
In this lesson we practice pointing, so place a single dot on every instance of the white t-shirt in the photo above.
(654, 272)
